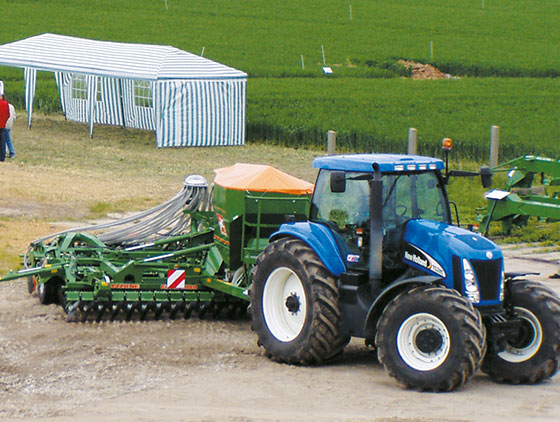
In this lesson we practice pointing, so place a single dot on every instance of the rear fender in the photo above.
(317, 237)
(389, 293)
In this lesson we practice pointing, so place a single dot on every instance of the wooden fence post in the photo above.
(412, 142)
(494, 145)
(331, 142)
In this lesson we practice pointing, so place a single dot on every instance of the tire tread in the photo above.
(471, 326)
(547, 299)
(325, 340)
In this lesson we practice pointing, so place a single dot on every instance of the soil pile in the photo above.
(424, 71)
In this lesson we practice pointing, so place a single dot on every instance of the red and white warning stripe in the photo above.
(176, 279)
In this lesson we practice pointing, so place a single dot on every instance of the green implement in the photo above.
(191, 254)
(532, 189)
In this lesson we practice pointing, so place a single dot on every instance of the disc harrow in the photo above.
(80, 311)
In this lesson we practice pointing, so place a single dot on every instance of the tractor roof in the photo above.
(388, 163)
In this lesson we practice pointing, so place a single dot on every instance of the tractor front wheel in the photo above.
(534, 354)
(294, 305)
(430, 338)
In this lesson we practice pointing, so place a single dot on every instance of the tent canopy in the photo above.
(61, 53)
(187, 99)
(260, 178)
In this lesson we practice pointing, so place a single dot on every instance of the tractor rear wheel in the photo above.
(534, 355)
(294, 305)
(430, 338)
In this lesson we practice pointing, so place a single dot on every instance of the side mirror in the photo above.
(338, 182)
(486, 177)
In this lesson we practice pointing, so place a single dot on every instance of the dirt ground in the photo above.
(213, 370)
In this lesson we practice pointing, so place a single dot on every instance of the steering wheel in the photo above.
(400, 210)
(439, 209)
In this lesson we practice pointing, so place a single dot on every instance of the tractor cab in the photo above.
(411, 189)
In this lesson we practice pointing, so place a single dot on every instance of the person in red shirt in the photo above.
(4, 116)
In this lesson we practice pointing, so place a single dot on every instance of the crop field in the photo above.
(506, 53)
(506, 37)
(376, 114)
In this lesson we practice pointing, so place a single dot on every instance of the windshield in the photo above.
(405, 196)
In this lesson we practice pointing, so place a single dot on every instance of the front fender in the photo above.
(389, 293)
(317, 237)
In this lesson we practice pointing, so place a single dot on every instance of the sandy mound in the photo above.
(424, 71)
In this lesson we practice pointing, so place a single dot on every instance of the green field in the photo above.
(507, 54)
(375, 115)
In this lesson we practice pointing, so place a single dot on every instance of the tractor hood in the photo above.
(441, 249)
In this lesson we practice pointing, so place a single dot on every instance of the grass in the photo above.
(57, 162)
(374, 115)
(101, 209)
(365, 101)
(15, 235)
(537, 231)
(506, 38)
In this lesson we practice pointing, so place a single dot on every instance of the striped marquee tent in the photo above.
(188, 100)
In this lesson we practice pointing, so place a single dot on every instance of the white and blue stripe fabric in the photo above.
(30, 78)
(202, 112)
(194, 101)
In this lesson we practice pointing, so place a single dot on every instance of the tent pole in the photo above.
(92, 101)
(123, 126)
(30, 76)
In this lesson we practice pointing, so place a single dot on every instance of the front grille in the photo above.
(488, 274)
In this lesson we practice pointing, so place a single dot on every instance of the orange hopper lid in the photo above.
(260, 178)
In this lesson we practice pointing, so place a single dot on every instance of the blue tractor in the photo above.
(380, 258)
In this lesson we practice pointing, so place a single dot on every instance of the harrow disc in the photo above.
(122, 310)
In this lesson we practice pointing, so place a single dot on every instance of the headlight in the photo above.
(471, 286)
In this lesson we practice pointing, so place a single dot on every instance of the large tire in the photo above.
(534, 355)
(294, 305)
(431, 339)
(47, 293)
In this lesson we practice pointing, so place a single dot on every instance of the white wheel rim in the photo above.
(407, 344)
(283, 323)
(514, 354)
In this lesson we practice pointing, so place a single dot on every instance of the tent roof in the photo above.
(260, 178)
(61, 53)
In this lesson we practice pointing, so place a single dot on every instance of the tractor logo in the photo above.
(352, 258)
(422, 259)
(176, 279)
